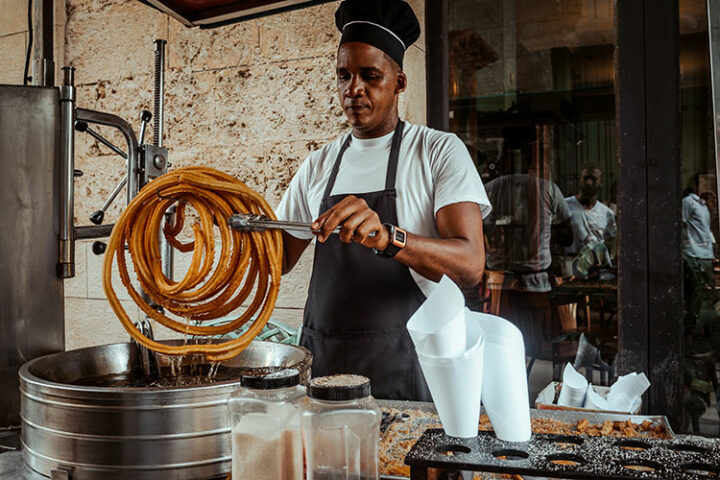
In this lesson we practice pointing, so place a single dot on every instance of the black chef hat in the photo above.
(389, 25)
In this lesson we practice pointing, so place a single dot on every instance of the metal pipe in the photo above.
(159, 120)
(114, 194)
(43, 57)
(102, 118)
(159, 107)
(66, 263)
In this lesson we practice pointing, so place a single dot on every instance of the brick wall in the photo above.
(252, 99)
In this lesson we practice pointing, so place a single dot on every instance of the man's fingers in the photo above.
(339, 215)
(363, 232)
(357, 222)
(320, 221)
(352, 223)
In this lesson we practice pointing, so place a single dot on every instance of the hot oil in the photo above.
(174, 375)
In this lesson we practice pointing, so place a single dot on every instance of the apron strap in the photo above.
(394, 155)
(335, 170)
(390, 176)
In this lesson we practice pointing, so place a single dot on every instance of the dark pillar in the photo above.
(437, 64)
(650, 261)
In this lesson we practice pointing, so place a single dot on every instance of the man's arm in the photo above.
(293, 248)
(459, 253)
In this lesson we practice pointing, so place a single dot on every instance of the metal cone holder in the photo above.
(438, 456)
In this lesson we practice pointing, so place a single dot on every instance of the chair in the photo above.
(493, 281)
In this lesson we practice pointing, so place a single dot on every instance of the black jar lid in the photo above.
(339, 387)
(287, 377)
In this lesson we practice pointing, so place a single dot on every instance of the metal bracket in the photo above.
(154, 162)
(60, 474)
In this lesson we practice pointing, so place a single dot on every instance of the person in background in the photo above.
(698, 239)
(712, 205)
(527, 212)
(592, 220)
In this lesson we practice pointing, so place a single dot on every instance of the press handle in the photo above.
(98, 247)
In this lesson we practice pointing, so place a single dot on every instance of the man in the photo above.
(408, 202)
(593, 221)
(698, 239)
(527, 212)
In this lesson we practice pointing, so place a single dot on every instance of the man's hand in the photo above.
(358, 221)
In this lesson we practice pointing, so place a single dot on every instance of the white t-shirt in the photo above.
(596, 224)
(434, 170)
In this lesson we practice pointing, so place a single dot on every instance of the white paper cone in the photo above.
(504, 390)
(594, 400)
(626, 391)
(449, 341)
(437, 328)
(574, 388)
(456, 387)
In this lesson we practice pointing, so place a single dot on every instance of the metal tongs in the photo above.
(248, 222)
(388, 419)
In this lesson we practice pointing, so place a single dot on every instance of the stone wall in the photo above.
(252, 99)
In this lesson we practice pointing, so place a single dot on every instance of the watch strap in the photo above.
(398, 238)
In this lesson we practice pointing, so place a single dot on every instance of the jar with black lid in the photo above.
(265, 417)
(341, 429)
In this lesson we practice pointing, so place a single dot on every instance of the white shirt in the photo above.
(519, 229)
(596, 224)
(434, 170)
(698, 238)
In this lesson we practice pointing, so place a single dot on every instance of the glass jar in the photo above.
(265, 418)
(341, 429)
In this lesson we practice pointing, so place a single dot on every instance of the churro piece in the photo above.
(582, 425)
(607, 427)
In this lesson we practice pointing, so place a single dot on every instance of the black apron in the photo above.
(359, 303)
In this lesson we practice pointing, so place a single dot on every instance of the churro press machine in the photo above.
(38, 127)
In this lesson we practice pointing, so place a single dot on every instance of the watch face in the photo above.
(399, 238)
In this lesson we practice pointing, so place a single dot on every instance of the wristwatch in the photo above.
(398, 238)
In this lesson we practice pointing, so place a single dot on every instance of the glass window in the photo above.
(700, 222)
(532, 96)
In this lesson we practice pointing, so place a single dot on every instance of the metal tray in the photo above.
(405, 405)
(561, 415)
(571, 416)
(568, 416)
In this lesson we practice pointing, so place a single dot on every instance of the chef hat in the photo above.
(389, 25)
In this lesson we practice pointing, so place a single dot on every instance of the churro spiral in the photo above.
(214, 285)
